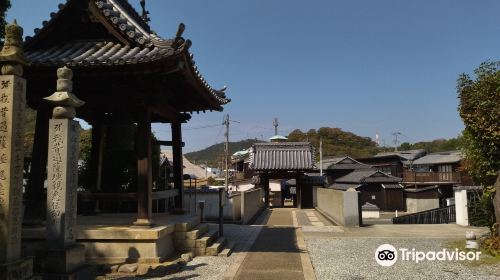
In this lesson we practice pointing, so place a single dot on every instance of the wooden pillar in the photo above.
(97, 153)
(298, 188)
(144, 170)
(96, 159)
(177, 164)
(35, 201)
(265, 183)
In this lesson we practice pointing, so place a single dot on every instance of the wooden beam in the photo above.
(168, 143)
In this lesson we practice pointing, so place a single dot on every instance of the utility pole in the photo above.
(275, 124)
(321, 156)
(226, 150)
(396, 135)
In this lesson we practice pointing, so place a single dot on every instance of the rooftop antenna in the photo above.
(145, 13)
(275, 124)
(396, 135)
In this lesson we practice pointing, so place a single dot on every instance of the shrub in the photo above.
(492, 245)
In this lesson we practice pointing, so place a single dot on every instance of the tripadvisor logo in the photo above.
(388, 255)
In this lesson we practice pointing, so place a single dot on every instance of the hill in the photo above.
(215, 152)
(336, 142)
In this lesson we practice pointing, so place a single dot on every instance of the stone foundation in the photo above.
(18, 270)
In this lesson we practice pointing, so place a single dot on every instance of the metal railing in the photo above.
(423, 177)
(443, 215)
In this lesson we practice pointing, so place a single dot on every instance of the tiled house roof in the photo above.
(367, 176)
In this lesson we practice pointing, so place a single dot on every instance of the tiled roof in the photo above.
(345, 162)
(188, 167)
(291, 156)
(367, 176)
(406, 155)
(344, 187)
(392, 186)
(97, 53)
(142, 46)
(439, 158)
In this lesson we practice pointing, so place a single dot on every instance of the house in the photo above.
(393, 163)
(431, 179)
(240, 162)
(375, 187)
(337, 167)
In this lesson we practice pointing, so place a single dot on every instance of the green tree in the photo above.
(4, 6)
(480, 111)
(405, 146)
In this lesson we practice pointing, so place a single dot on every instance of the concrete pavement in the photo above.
(279, 250)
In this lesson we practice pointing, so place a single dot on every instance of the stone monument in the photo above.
(64, 258)
(12, 110)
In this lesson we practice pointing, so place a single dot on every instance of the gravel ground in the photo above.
(354, 259)
(215, 267)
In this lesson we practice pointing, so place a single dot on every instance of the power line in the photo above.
(201, 127)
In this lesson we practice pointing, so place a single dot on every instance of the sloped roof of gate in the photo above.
(282, 156)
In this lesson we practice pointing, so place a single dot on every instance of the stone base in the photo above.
(18, 270)
(64, 260)
(83, 273)
(143, 223)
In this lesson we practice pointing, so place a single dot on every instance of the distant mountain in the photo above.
(215, 153)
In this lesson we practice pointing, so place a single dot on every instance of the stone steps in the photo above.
(199, 239)
(187, 224)
(216, 247)
(228, 249)
(194, 233)
(207, 239)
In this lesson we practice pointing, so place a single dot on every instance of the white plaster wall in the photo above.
(414, 205)
(461, 211)
(251, 204)
(211, 210)
(371, 214)
(340, 206)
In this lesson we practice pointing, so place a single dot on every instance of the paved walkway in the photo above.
(275, 253)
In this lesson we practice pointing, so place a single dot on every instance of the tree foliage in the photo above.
(336, 142)
(434, 146)
(4, 6)
(213, 155)
(480, 111)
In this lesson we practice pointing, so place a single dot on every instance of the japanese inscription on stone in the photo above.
(62, 181)
(12, 106)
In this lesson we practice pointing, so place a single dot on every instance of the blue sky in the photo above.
(363, 66)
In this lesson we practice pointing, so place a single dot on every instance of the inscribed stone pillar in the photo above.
(64, 258)
(12, 109)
